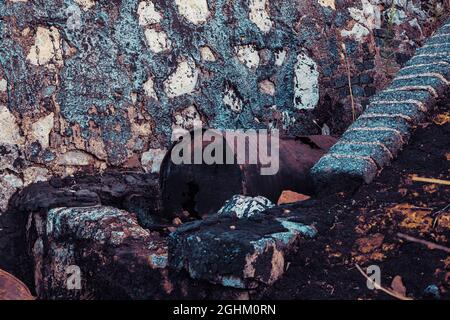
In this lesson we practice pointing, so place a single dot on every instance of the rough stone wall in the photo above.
(87, 85)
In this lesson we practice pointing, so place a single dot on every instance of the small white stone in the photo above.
(187, 119)
(149, 89)
(207, 54)
(195, 11)
(183, 80)
(152, 159)
(148, 14)
(35, 174)
(46, 47)
(358, 32)
(9, 130)
(3, 85)
(75, 158)
(259, 15)
(280, 57)
(9, 183)
(86, 4)
(267, 87)
(40, 130)
(248, 55)
(306, 83)
(367, 18)
(157, 40)
(184, 121)
(328, 3)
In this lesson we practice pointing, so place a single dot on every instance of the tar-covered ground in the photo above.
(367, 224)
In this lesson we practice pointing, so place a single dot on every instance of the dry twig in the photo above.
(431, 180)
(430, 245)
(377, 286)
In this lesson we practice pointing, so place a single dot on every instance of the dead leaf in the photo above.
(398, 286)
(369, 244)
(442, 119)
(288, 196)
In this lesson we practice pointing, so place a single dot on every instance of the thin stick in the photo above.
(431, 180)
(377, 286)
(349, 79)
(430, 245)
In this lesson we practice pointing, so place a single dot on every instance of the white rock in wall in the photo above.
(183, 80)
(149, 89)
(75, 158)
(328, 3)
(35, 174)
(259, 15)
(367, 18)
(157, 40)
(9, 183)
(46, 48)
(358, 32)
(184, 121)
(207, 54)
(280, 57)
(86, 4)
(152, 159)
(9, 130)
(267, 87)
(248, 55)
(3, 85)
(40, 130)
(195, 11)
(148, 14)
(306, 83)
(232, 100)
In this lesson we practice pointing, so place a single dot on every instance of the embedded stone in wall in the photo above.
(280, 57)
(248, 55)
(157, 40)
(185, 120)
(75, 158)
(35, 174)
(267, 87)
(183, 80)
(207, 54)
(232, 100)
(9, 130)
(195, 11)
(259, 15)
(46, 47)
(147, 13)
(3, 85)
(306, 83)
(151, 160)
(86, 4)
(149, 89)
(9, 154)
(328, 3)
(367, 19)
(358, 32)
(41, 130)
(9, 184)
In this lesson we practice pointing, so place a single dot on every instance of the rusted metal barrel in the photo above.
(196, 190)
(12, 288)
